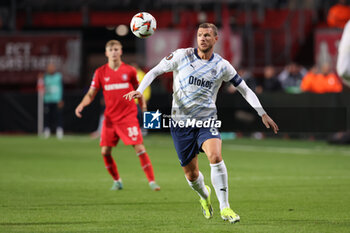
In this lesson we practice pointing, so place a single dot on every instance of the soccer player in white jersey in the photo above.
(343, 61)
(198, 74)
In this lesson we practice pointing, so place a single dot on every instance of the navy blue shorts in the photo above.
(188, 141)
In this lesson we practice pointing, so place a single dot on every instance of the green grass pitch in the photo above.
(275, 186)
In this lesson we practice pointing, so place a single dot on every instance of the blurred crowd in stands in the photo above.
(295, 78)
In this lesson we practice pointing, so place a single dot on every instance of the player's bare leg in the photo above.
(191, 170)
(212, 148)
(111, 167)
(146, 165)
(196, 181)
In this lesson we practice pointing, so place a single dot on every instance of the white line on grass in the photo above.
(289, 150)
(291, 178)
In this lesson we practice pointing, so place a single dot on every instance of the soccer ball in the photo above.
(143, 25)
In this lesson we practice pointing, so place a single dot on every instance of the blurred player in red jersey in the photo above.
(117, 79)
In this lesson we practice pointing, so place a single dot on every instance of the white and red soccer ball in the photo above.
(143, 25)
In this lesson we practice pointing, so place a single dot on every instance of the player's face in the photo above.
(206, 39)
(114, 52)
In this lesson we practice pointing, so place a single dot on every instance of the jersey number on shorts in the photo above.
(214, 131)
(133, 132)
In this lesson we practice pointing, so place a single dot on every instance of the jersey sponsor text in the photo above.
(200, 82)
(116, 86)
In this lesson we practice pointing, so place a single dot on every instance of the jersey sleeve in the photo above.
(250, 97)
(231, 75)
(167, 64)
(171, 62)
(95, 83)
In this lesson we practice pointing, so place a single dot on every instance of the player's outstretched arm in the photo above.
(268, 122)
(88, 98)
(253, 100)
(146, 81)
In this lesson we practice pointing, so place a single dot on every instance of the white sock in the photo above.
(199, 186)
(59, 132)
(47, 132)
(220, 183)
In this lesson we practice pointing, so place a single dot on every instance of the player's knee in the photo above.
(214, 157)
(192, 175)
(105, 151)
(139, 149)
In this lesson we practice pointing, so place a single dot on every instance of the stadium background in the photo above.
(278, 184)
(253, 34)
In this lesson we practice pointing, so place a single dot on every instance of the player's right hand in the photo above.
(78, 111)
(133, 95)
(268, 122)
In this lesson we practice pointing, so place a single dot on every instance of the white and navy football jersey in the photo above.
(343, 61)
(196, 82)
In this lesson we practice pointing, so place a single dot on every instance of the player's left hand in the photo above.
(268, 122)
(133, 95)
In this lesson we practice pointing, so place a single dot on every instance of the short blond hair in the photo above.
(113, 42)
(209, 25)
